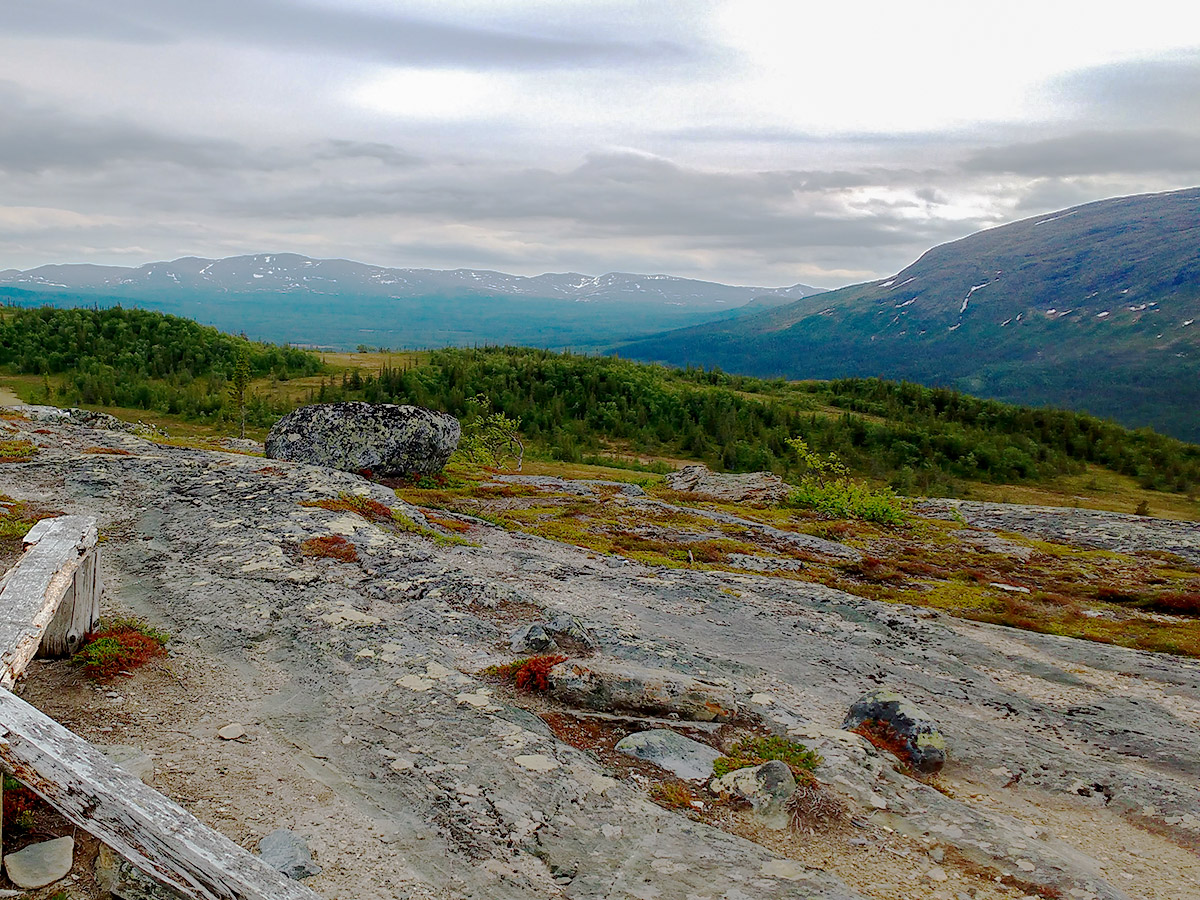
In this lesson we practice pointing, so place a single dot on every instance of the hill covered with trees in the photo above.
(577, 408)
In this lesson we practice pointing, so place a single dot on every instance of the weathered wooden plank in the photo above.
(156, 835)
(78, 611)
(36, 585)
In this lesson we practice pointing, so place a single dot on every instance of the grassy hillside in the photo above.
(1096, 308)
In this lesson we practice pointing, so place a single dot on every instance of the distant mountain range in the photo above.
(338, 303)
(1096, 307)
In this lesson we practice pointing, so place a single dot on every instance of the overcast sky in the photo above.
(746, 141)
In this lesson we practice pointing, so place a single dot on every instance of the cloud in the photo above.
(1093, 153)
(36, 137)
(346, 31)
(1162, 93)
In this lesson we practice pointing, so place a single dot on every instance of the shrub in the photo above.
(1176, 603)
(813, 805)
(20, 803)
(529, 674)
(850, 500)
(17, 450)
(672, 795)
(755, 751)
(121, 645)
(330, 546)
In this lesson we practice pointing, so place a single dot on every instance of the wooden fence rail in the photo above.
(50, 600)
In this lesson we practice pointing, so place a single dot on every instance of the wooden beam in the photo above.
(29, 602)
(159, 837)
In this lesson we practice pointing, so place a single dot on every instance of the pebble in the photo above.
(40, 864)
(232, 731)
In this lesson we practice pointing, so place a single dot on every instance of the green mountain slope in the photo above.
(1095, 308)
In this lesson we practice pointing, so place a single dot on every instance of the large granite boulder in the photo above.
(922, 744)
(381, 438)
(749, 487)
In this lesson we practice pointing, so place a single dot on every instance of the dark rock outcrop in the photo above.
(383, 438)
(923, 740)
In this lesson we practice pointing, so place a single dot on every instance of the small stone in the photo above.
(40, 864)
(565, 625)
(287, 853)
(937, 873)
(531, 639)
(232, 731)
(673, 752)
(937, 854)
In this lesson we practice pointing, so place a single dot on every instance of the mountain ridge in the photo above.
(1094, 307)
(291, 271)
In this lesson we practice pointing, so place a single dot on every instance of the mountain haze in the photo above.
(338, 303)
(1096, 307)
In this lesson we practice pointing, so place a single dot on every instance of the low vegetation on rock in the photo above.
(120, 645)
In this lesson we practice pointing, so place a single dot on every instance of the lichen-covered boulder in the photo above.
(926, 748)
(382, 438)
(618, 686)
(766, 788)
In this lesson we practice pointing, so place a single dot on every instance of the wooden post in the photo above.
(78, 611)
(56, 550)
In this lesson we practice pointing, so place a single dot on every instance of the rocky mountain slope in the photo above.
(286, 297)
(375, 729)
(1095, 308)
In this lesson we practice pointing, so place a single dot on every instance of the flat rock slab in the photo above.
(671, 751)
(750, 487)
(609, 685)
(40, 864)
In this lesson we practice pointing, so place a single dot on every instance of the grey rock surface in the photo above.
(134, 761)
(286, 852)
(671, 751)
(1124, 533)
(613, 685)
(924, 741)
(384, 650)
(746, 487)
(40, 864)
(383, 438)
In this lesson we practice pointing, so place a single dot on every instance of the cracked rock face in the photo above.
(372, 669)
(382, 438)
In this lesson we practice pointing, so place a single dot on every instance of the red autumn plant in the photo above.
(330, 546)
(532, 674)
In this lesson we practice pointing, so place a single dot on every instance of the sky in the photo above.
(743, 141)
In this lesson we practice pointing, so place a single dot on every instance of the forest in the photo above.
(578, 407)
(138, 359)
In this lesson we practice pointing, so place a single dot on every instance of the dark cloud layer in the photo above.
(1093, 153)
(295, 26)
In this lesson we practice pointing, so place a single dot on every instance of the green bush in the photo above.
(850, 500)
